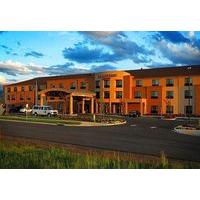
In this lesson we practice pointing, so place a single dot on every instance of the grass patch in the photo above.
(32, 156)
(40, 119)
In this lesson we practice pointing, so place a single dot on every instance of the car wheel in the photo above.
(49, 115)
(35, 114)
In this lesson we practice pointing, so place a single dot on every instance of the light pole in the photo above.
(189, 90)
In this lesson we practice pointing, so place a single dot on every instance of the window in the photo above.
(188, 94)
(154, 94)
(52, 86)
(8, 89)
(188, 81)
(41, 87)
(170, 94)
(118, 94)
(13, 97)
(169, 82)
(23, 88)
(98, 84)
(155, 82)
(138, 83)
(28, 98)
(188, 110)
(8, 97)
(169, 109)
(73, 86)
(154, 109)
(106, 95)
(21, 97)
(118, 83)
(15, 89)
(138, 94)
(97, 95)
(61, 85)
(83, 85)
(106, 83)
(30, 88)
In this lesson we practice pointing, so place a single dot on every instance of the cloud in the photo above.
(102, 68)
(16, 68)
(82, 54)
(172, 36)
(120, 47)
(179, 54)
(34, 54)
(67, 68)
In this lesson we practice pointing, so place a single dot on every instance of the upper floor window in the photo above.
(73, 86)
(154, 94)
(106, 83)
(8, 89)
(138, 83)
(118, 94)
(188, 81)
(118, 83)
(23, 88)
(106, 95)
(8, 97)
(15, 89)
(21, 97)
(169, 82)
(83, 85)
(98, 84)
(138, 95)
(170, 94)
(155, 82)
(41, 87)
(188, 94)
(52, 85)
(30, 88)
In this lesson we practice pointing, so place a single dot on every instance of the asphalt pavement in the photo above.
(147, 136)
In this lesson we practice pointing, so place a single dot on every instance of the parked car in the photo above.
(134, 113)
(15, 109)
(44, 110)
(25, 110)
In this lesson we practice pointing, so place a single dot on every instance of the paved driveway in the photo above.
(142, 135)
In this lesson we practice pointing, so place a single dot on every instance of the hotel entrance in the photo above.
(68, 102)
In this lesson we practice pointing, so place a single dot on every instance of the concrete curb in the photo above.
(83, 124)
(187, 131)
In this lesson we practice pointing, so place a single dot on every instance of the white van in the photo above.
(44, 110)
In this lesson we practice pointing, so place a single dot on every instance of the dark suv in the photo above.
(134, 113)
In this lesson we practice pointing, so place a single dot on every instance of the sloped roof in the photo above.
(165, 71)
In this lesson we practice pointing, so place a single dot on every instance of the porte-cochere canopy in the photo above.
(69, 96)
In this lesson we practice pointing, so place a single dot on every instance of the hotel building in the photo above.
(174, 90)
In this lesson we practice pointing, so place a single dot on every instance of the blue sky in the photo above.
(25, 55)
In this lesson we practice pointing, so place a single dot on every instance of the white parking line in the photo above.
(153, 127)
(133, 125)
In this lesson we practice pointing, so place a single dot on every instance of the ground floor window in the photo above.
(169, 109)
(154, 109)
(188, 110)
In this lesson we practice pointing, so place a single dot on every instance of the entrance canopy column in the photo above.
(83, 106)
(70, 104)
(92, 105)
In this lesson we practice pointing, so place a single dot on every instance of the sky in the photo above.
(25, 55)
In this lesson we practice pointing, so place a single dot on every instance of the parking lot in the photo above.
(140, 135)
